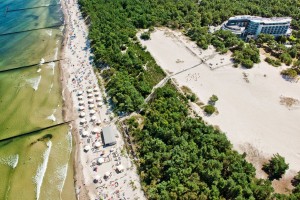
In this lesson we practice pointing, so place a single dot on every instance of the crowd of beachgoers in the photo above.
(102, 172)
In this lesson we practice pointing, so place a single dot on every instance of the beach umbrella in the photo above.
(91, 106)
(93, 118)
(98, 122)
(90, 96)
(82, 114)
(90, 101)
(100, 161)
(89, 91)
(120, 168)
(81, 102)
(79, 92)
(97, 144)
(98, 99)
(85, 133)
(92, 112)
(81, 108)
(96, 130)
(106, 174)
(82, 121)
(97, 94)
(87, 148)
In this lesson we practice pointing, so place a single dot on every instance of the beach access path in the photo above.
(86, 107)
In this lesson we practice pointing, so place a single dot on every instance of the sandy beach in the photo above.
(252, 106)
(97, 167)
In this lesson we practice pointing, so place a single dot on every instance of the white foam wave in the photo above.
(38, 179)
(51, 86)
(42, 61)
(34, 82)
(52, 117)
(55, 54)
(49, 32)
(39, 70)
(52, 66)
(11, 160)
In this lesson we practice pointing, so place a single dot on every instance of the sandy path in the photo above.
(249, 108)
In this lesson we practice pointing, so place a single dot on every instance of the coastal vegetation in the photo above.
(276, 167)
(179, 156)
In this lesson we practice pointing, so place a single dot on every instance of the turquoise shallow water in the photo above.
(29, 19)
(35, 165)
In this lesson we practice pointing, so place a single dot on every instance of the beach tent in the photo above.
(98, 122)
(92, 112)
(95, 90)
(86, 148)
(81, 108)
(79, 92)
(97, 144)
(81, 102)
(96, 179)
(96, 130)
(98, 99)
(93, 118)
(97, 94)
(90, 96)
(80, 97)
(106, 174)
(91, 106)
(89, 91)
(85, 133)
(100, 104)
(100, 160)
(90, 101)
(82, 114)
(120, 168)
(82, 121)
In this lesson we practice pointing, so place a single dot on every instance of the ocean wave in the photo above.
(11, 160)
(52, 117)
(38, 179)
(62, 175)
(49, 32)
(52, 66)
(34, 82)
(55, 54)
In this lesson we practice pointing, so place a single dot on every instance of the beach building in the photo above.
(251, 26)
(108, 136)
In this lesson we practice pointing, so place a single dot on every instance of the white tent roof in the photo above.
(81, 102)
(97, 94)
(100, 104)
(96, 130)
(90, 95)
(85, 133)
(95, 90)
(120, 168)
(80, 108)
(93, 118)
(106, 174)
(92, 112)
(98, 99)
(91, 106)
(79, 92)
(80, 97)
(82, 121)
(87, 147)
(98, 122)
(90, 101)
(100, 160)
(89, 91)
(97, 144)
(97, 177)
(82, 114)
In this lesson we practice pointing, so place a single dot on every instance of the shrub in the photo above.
(276, 167)
(289, 73)
(145, 36)
(213, 99)
(209, 109)
(273, 62)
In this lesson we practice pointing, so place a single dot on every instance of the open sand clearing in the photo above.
(253, 109)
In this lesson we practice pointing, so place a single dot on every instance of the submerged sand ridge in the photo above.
(251, 111)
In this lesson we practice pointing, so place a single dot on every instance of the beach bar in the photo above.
(108, 136)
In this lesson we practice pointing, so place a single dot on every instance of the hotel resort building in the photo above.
(251, 26)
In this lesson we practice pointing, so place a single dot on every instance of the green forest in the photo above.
(180, 156)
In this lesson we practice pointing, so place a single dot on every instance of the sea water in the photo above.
(33, 164)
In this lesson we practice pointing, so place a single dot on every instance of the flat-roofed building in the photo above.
(247, 25)
(108, 136)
